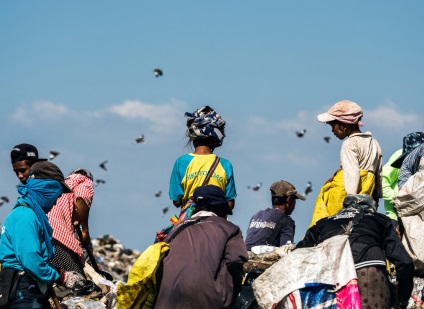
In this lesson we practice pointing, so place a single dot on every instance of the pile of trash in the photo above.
(113, 257)
(416, 300)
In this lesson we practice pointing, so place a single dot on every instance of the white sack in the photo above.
(330, 262)
(409, 204)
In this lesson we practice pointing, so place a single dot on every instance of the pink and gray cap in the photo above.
(344, 111)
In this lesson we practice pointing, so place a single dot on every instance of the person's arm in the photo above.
(235, 255)
(396, 253)
(176, 191)
(389, 184)
(310, 239)
(410, 165)
(84, 193)
(230, 188)
(83, 211)
(350, 166)
(287, 232)
(27, 239)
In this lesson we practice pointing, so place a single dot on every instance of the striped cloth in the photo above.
(410, 165)
(64, 214)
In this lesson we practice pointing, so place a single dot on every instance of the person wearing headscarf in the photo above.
(204, 266)
(409, 161)
(360, 161)
(372, 239)
(72, 207)
(26, 242)
(205, 130)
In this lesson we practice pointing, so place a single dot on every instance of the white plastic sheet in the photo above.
(330, 262)
(409, 204)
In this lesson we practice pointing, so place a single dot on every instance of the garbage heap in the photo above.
(113, 257)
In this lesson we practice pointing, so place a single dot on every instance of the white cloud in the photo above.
(162, 118)
(300, 121)
(388, 116)
(39, 110)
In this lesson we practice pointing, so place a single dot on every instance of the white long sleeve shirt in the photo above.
(360, 151)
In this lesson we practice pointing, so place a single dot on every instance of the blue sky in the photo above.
(76, 77)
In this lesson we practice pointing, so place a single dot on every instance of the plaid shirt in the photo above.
(64, 213)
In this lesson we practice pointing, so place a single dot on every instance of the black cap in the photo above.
(210, 195)
(23, 152)
(410, 142)
(48, 170)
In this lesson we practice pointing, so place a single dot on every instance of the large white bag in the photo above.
(409, 204)
(320, 264)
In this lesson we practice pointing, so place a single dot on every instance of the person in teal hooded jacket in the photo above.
(26, 237)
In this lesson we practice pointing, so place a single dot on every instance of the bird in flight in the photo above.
(4, 199)
(256, 187)
(327, 138)
(157, 72)
(100, 181)
(53, 154)
(165, 210)
(308, 188)
(103, 165)
(157, 194)
(139, 139)
(301, 133)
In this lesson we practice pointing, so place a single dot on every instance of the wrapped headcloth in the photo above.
(205, 122)
(360, 201)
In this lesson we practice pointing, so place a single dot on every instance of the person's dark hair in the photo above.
(281, 200)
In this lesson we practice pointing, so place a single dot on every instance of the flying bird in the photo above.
(100, 181)
(157, 72)
(103, 165)
(301, 133)
(139, 139)
(308, 188)
(5, 199)
(53, 154)
(157, 194)
(327, 138)
(165, 210)
(255, 188)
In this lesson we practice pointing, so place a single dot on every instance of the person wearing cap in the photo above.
(23, 156)
(71, 207)
(26, 237)
(409, 161)
(283, 196)
(372, 240)
(205, 263)
(360, 161)
(206, 131)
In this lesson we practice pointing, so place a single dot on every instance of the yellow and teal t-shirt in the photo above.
(190, 171)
